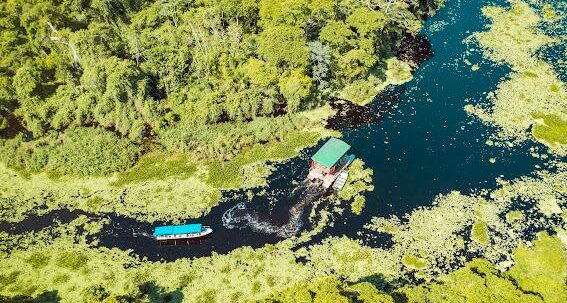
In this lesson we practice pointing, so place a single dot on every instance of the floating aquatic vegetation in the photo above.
(359, 181)
(433, 235)
(550, 129)
(531, 102)
(479, 233)
(414, 262)
(546, 263)
(438, 233)
(514, 216)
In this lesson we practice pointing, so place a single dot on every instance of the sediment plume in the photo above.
(241, 216)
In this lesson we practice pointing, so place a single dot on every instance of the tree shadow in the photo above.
(389, 287)
(45, 297)
(157, 294)
(378, 281)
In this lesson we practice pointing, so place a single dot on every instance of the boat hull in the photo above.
(204, 233)
(327, 179)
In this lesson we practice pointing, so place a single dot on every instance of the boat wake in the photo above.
(241, 216)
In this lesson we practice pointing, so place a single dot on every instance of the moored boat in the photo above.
(179, 232)
(329, 162)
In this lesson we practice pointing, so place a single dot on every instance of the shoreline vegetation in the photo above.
(423, 263)
(486, 246)
(139, 100)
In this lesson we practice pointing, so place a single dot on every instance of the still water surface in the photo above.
(422, 144)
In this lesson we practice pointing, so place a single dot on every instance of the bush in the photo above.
(71, 260)
(91, 151)
(80, 151)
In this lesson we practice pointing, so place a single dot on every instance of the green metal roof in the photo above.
(330, 152)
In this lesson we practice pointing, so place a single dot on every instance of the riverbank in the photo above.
(509, 212)
(161, 186)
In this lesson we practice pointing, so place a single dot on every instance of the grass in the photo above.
(179, 188)
(168, 199)
(158, 166)
(553, 130)
(230, 174)
(479, 233)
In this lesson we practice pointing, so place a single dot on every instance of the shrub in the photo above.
(91, 151)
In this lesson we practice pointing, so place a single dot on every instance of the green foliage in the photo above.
(145, 67)
(223, 141)
(232, 174)
(367, 22)
(295, 87)
(81, 151)
(552, 131)
(284, 46)
(91, 151)
(414, 262)
(259, 72)
(158, 166)
(479, 233)
(320, 64)
(126, 64)
(542, 269)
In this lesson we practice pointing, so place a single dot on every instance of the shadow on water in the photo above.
(416, 49)
(351, 116)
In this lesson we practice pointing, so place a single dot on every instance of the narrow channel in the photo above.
(416, 137)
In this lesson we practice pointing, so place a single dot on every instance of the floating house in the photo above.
(328, 164)
(180, 232)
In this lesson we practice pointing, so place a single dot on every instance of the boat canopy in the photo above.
(177, 229)
(331, 152)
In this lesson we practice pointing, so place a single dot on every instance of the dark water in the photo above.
(416, 137)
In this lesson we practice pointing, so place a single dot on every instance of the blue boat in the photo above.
(177, 232)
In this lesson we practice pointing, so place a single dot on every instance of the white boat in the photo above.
(340, 181)
(178, 232)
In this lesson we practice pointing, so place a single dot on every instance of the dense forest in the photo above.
(176, 70)
(119, 115)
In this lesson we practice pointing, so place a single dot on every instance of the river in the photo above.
(424, 144)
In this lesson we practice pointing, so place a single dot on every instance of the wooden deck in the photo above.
(326, 179)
